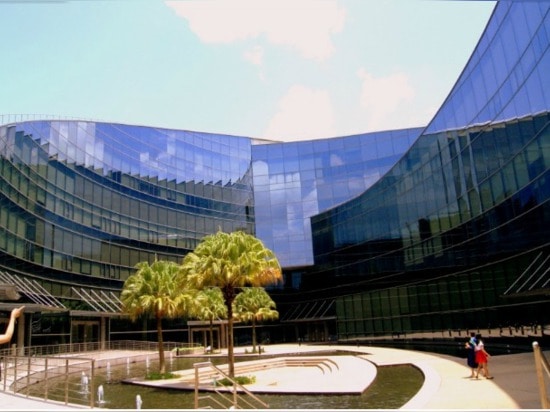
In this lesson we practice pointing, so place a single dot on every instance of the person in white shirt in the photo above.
(482, 357)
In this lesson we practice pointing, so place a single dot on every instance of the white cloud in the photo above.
(335, 160)
(255, 55)
(306, 25)
(384, 99)
(303, 114)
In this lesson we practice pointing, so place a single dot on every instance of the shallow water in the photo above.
(393, 387)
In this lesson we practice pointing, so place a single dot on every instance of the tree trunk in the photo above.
(162, 367)
(230, 355)
(254, 335)
(211, 335)
(229, 296)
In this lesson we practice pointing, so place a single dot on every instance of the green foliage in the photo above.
(231, 261)
(212, 307)
(241, 380)
(154, 290)
(187, 349)
(158, 290)
(254, 305)
(155, 376)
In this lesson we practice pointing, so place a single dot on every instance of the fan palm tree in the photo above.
(212, 307)
(252, 305)
(157, 290)
(231, 261)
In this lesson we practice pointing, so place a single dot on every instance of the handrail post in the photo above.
(46, 379)
(66, 381)
(5, 370)
(196, 387)
(15, 374)
(28, 374)
(540, 376)
(92, 394)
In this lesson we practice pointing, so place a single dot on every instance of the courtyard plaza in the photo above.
(446, 378)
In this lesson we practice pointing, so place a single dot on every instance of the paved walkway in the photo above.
(446, 385)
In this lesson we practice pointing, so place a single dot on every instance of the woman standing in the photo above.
(482, 357)
(471, 354)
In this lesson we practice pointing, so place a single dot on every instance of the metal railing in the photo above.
(541, 365)
(62, 379)
(207, 379)
(65, 373)
(68, 348)
(16, 117)
(207, 375)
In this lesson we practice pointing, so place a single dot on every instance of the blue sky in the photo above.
(277, 69)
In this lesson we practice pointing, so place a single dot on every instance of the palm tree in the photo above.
(158, 290)
(254, 304)
(231, 261)
(213, 307)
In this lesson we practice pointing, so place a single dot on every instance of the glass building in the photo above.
(456, 234)
(444, 226)
(297, 180)
(81, 203)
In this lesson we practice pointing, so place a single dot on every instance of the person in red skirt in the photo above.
(482, 358)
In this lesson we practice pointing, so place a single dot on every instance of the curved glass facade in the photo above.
(447, 237)
(294, 181)
(407, 230)
(82, 202)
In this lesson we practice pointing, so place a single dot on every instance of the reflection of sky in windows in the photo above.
(469, 159)
(503, 77)
(145, 151)
(294, 181)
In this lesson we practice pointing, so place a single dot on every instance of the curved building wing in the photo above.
(82, 202)
(456, 234)
(294, 181)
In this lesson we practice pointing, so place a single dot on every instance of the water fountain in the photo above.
(84, 382)
(100, 394)
(138, 401)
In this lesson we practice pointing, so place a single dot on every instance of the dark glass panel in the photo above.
(497, 188)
